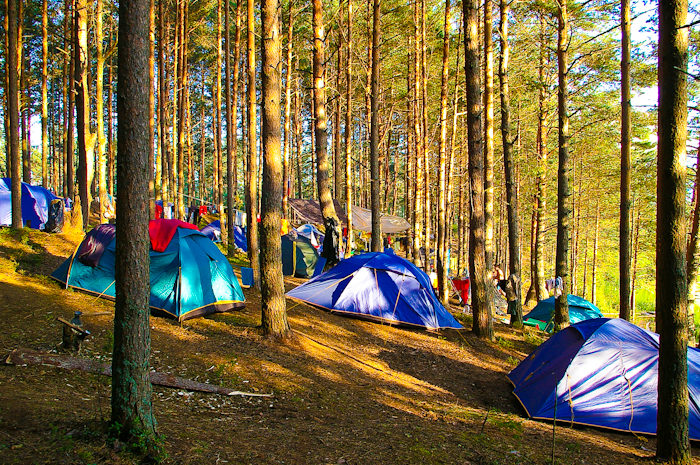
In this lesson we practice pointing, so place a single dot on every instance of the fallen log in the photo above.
(22, 357)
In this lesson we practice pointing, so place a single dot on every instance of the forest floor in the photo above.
(345, 391)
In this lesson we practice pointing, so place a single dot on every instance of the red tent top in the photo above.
(162, 231)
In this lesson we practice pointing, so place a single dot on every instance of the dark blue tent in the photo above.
(35, 204)
(600, 372)
(213, 231)
(579, 309)
(189, 275)
(380, 287)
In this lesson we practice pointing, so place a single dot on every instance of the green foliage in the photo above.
(505, 343)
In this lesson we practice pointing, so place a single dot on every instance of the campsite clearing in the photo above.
(346, 391)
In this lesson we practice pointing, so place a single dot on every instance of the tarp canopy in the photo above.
(579, 309)
(308, 210)
(35, 204)
(190, 277)
(600, 372)
(380, 287)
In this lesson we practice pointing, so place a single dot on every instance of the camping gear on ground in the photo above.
(579, 309)
(380, 287)
(189, 276)
(54, 223)
(600, 372)
(298, 254)
(35, 204)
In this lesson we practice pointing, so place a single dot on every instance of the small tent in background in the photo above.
(35, 204)
(380, 287)
(315, 236)
(600, 372)
(213, 231)
(299, 256)
(189, 276)
(579, 309)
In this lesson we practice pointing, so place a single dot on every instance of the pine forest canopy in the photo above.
(191, 135)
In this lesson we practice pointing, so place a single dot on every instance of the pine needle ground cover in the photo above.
(346, 391)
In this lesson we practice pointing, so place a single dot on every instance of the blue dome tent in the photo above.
(380, 287)
(579, 309)
(35, 204)
(189, 276)
(600, 372)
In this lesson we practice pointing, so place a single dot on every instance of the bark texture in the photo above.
(671, 297)
(131, 387)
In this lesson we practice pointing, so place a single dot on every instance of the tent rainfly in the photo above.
(579, 309)
(600, 372)
(189, 275)
(377, 286)
(308, 210)
(35, 204)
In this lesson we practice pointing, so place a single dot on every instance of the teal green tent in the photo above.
(298, 255)
(189, 275)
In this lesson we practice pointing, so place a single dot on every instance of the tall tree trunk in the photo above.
(561, 313)
(418, 180)
(625, 140)
(86, 139)
(424, 123)
(337, 165)
(541, 201)
(594, 266)
(516, 318)
(24, 108)
(633, 304)
(13, 109)
(488, 135)
(377, 243)
(286, 169)
(232, 124)
(151, 117)
(131, 389)
(70, 46)
(219, 144)
(442, 265)
(251, 192)
(348, 135)
(274, 312)
(482, 286)
(671, 295)
(330, 218)
(44, 94)
(162, 181)
(182, 109)
(99, 104)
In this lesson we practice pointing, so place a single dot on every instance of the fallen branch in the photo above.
(21, 357)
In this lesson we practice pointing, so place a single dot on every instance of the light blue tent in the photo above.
(579, 309)
(35, 204)
(380, 287)
(600, 372)
(190, 277)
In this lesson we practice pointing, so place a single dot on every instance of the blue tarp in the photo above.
(579, 309)
(35, 204)
(190, 278)
(213, 231)
(600, 372)
(380, 287)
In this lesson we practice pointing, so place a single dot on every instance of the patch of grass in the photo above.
(505, 343)
(573, 447)
(512, 361)
(532, 338)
